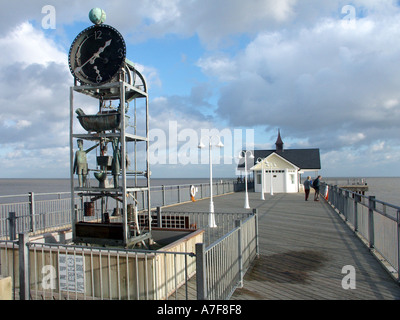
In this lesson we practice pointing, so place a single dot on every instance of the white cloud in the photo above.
(350, 139)
(391, 103)
(162, 11)
(213, 21)
(26, 45)
(34, 81)
(23, 124)
(289, 64)
(150, 74)
(318, 82)
(221, 67)
(379, 146)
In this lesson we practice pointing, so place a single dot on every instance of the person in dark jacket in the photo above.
(316, 184)
(307, 187)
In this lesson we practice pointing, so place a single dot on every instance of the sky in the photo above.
(324, 73)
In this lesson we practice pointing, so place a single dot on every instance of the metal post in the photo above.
(159, 217)
(330, 194)
(346, 201)
(148, 157)
(371, 208)
(32, 210)
(262, 179)
(337, 198)
(271, 187)
(122, 140)
(76, 218)
(163, 195)
(357, 199)
(23, 266)
(398, 246)
(71, 156)
(246, 200)
(238, 224)
(179, 194)
(334, 196)
(201, 272)
(255, 211)
(211, 218)
(12, 226)
(211, 185)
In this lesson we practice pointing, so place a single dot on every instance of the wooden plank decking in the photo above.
(303, 248)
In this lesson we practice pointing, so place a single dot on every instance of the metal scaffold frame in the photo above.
(125, 90)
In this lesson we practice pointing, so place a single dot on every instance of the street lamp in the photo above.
(246, 201)
(211, 218)
(260, 160)
(270, 165)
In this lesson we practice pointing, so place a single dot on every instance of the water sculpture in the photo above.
(97, 61)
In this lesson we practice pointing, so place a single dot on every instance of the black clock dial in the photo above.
(97, 54)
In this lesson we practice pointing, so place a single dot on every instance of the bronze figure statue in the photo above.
(80, 162)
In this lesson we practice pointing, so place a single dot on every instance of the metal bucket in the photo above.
(88, 209)
(131, 212)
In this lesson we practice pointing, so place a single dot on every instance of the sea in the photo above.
(385, 189)
(20, 188)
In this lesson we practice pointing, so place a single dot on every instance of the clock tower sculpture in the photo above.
(106, 207)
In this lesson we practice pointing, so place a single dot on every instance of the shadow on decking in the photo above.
(288, 267)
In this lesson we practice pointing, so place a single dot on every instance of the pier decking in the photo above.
(303, 248)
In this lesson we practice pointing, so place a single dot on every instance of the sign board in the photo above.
(72, 272)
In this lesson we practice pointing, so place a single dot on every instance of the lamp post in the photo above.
(211, 218)
(260, 160)
(270, 165)
(246, 201)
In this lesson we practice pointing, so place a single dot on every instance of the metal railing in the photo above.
(44, 212)
(48, 271)
(225, 222)
(223, 264)
(376, 222)
(70, 272)
(62, 271)
(39, 213)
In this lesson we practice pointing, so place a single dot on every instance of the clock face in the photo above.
(97, 54)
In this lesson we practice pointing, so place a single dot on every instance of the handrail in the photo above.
(40, 211)
(378, 229)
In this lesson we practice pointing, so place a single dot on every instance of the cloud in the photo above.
(212, 21)
(150, 74)
(289, 64)
(187, 111)
(34, 93)
(321, 83)
(34, 97)
(221, 67)
(26, 45)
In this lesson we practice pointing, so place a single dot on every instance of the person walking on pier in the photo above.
(316, 184)
(307, 186)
